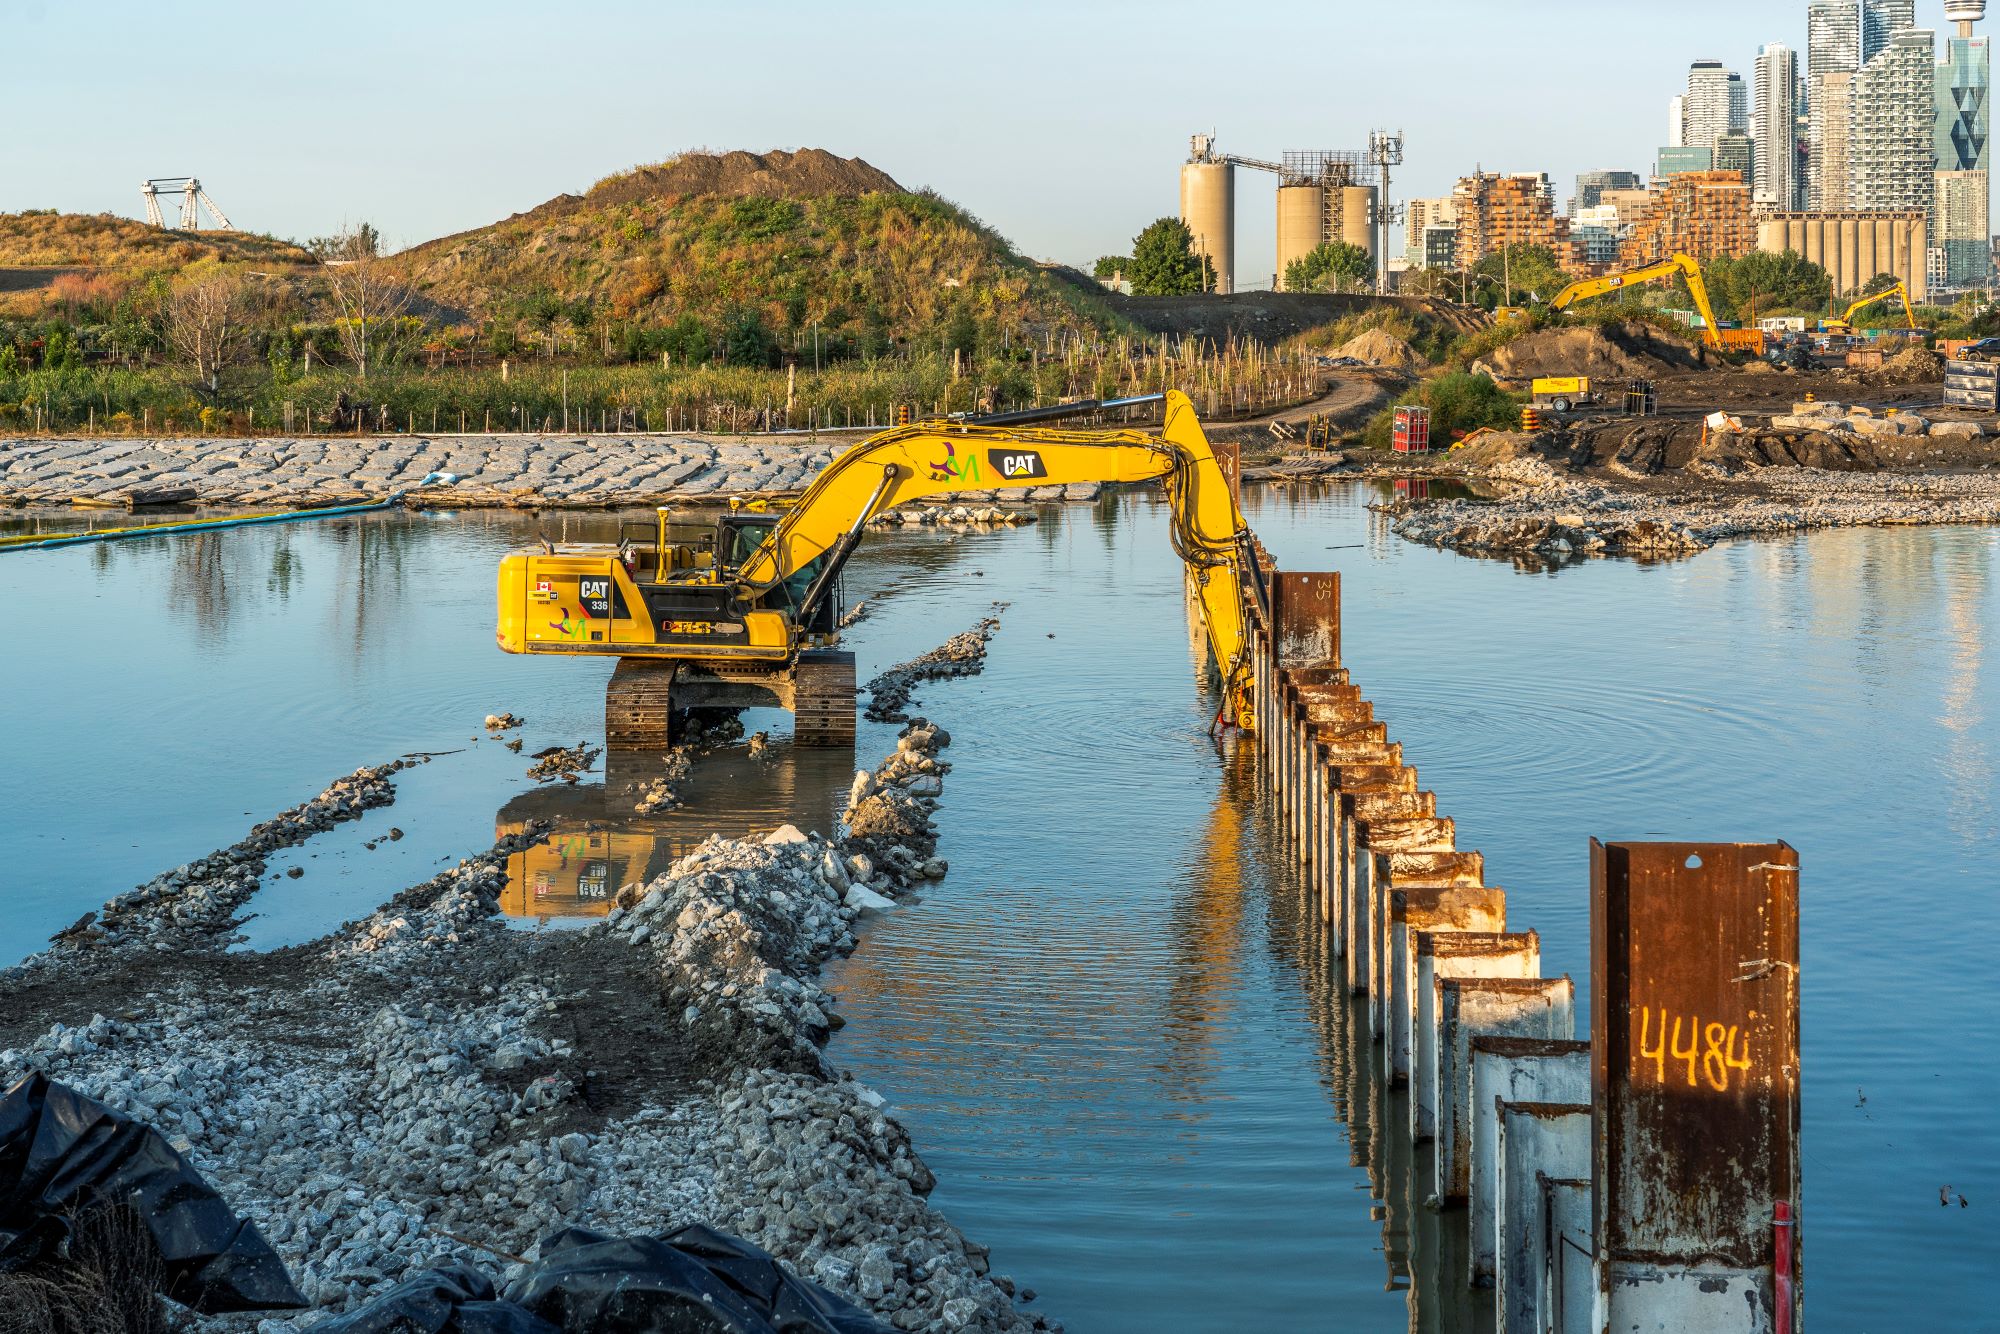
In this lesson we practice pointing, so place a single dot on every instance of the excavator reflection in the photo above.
(596, 844)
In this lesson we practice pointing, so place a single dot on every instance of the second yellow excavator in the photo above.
(1718, 338)
(742, 611)
(1845, 324)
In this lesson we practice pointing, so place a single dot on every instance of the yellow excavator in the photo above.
(1845, 324)
(742, 610)
(1716, 337)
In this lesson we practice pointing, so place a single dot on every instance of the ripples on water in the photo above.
(1110, 1028)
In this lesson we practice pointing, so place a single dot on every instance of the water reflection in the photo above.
(597, 844)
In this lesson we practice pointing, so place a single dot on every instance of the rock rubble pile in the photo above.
(427, 1084)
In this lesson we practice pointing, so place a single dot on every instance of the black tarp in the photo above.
(451, 1299)
(63, 1155)
(694, 1281)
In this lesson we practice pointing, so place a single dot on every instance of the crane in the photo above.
(191, 195)
(741, 611)
(1716, 337)
(1845, 325)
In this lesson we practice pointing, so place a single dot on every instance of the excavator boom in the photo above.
(742, 606)
(1712, 333)
(1845, 324)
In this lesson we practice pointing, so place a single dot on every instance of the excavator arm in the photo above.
(935, 457)
(1586, 288)
(1846, 320)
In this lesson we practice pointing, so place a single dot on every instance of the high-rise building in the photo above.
(1716, 104)
(1674, 161)
(1891, 161)
(1591, 185)
(1677, 120)
(1960, 217)
(1736, 152)
(1962, 210)
(1831, 181)
(1833, 51)
(1964, 120)
(1881, 20)
(1775, 128)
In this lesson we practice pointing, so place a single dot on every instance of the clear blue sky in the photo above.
(1064, 125)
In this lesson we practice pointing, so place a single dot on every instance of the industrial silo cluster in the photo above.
(1323, 195)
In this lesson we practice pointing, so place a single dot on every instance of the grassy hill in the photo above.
(44, 238)
(798, 239)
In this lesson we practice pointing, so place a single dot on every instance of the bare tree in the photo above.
(202, 322)
(370, 301)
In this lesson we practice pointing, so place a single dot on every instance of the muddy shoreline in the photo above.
(1668, 486)
(428, 1083)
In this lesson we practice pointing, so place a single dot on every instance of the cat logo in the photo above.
(594, 592)
(1015, 464)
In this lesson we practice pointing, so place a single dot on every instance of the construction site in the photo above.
(973, 871)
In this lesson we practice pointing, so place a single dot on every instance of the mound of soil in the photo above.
(808, 173)
(1629, 349)
(1915, 365)
(1494, 448)
(1378, 348)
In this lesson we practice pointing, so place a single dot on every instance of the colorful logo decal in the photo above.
(955, 469)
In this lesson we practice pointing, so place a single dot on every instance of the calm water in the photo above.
(1107, 1028)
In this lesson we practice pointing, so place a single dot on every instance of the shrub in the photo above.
(1458, 402)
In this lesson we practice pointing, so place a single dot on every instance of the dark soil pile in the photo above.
(1628, 349)
(808, 173)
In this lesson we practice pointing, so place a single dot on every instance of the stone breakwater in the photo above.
(963, 654)
(1551, 517)
(524, 471)
(428, 1083)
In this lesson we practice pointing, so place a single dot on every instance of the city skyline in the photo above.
(521, 125)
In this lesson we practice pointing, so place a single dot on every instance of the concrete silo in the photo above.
(1208, 208)
(1301, 224)
(1357, 216)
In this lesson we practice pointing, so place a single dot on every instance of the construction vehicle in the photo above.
(1712, 333)
(1845, 323)
(741, 611)
(1562, 392)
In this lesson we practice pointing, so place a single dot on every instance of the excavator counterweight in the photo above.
(742, 611)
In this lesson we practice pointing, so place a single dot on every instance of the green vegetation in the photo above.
(1518, 274)
(1331, 266)
(52, 389)
(1110, 266)
(1781, 284)
(857, 274)
(1459, 402)
(1164, 262)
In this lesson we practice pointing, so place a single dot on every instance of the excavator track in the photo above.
(638, 704)
(823, 698)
